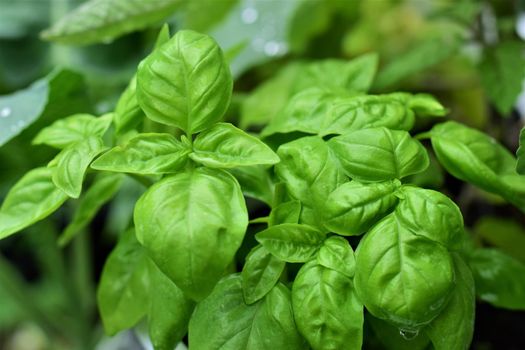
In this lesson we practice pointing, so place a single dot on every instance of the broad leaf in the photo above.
(393, 339)
(379, 154)
(103, 20)
(520, 167)
(68, 131)
(291, 242)
(185, 83)
(225, 146)
(326, 308)
(72, 163)
(337, 254)
(192, 224)
(145, 154)
(31, 199)
(260, 274)
(402, 277)
(354, 207)
(122, 294)
(223, 321)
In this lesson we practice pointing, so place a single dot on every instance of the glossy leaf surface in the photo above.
(337, 254)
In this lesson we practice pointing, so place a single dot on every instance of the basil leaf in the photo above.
(30, 200)
(354, 207)
(520, 153)
(454, 327)
(326, 308)
(393, 339)
(103, 20)
(291, 242)
(472, 156)
(402, 277)
(337, 254)
(223, 321)
(145, 154)
(310, 173)
(225, 146)
(185, 83)
(505, 234)
(72, 163)
(169, 311)
(68, 131)
(424, 105)
(431, 214)
(260, 274)
(379, 154)
(192, 224)
(500, 279)
(104, 187)
(122, 294)
(127, 112)
(255, 182)
(286, 213)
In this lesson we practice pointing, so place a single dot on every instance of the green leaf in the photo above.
(122, 293)
(372, 155)
(504, 234)
(310, 173)
(425, 105)
(500, 279)
(402, 277)
(354, 207)
(291, 242)
(192, 224)
(337, 254)
(201, 15)
(286, 213)
(326, 308)
(72, 163)
(475, 157)
(225, 146)
(127, 112)
(502, 71)
(101, 191)
(145, 154)
(520, 153)
(169, 311)
(104, 20)
(68, 131)
(392, 338)
(185, 83)
(255, 182)
(260, 274)
(454, 327)
(431, 214)
(223, 321)
(30, 200)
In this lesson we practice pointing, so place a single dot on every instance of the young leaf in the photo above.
(68, 131)
(255, 182)
(185, 83)
(354, 207)
(402, 277)
(103, 189)
(31, 199)
(122, 294)
(424, 105)
(169, 311)
(372, 155)
(286, 213)
(127, 112)
(225, 146)
(260, 274)
(224, 321)
(454, 327)
(337, 254)
(520, 166)
(192, 224)
(145, 154)
(326, 308)
(500, 279)
(102, 20)
(291, 242)
(72, 163)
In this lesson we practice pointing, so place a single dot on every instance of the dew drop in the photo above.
(408, 334)
(5, 112)
(274, 48)
(249, 15)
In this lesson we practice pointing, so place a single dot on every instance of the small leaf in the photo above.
(372, 155)
(260, 274)
(30, 200)
(286, 213)
(122, 294)
(185, 83)
(337, 254)
(145, 154)
(520, 153)
(68, 131)
(127, 112)
(103, 20)
(225, 146)
(103, 189)
(72, 163)
(291, 242)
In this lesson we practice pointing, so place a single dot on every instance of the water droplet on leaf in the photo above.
(5, 112)
(249, 15)
(408, 334)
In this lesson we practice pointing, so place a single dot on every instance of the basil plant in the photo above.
(350, 244)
